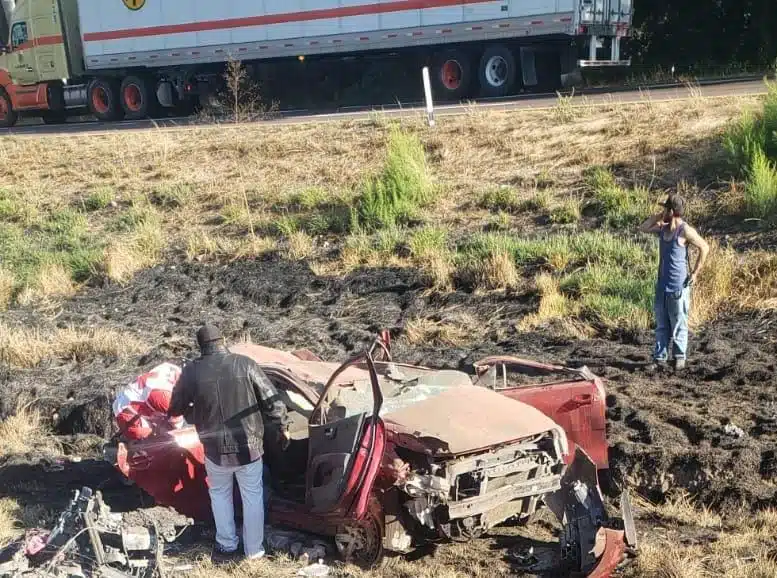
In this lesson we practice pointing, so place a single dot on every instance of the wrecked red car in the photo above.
(385, 456)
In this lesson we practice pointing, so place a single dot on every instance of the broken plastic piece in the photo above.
(314, 570)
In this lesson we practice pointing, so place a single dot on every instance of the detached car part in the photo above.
(88, 540)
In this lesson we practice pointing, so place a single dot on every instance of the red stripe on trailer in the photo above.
(269, 19)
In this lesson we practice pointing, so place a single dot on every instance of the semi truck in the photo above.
(134, 59)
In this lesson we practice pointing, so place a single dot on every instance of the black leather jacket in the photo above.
(224, 395)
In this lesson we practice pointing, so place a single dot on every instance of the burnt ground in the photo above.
(666, 431)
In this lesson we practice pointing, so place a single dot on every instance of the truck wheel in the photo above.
(497, 71)
(103, 100)
(8, 116)
(137, 97)
(452, 74)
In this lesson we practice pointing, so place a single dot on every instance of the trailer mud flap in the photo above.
(589, 545)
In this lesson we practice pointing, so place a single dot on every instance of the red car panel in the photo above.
(577, 405)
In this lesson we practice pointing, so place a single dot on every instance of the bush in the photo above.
(761, 188)
(394, 196)
(753, 132)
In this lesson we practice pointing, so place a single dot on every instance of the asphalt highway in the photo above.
(535, 101)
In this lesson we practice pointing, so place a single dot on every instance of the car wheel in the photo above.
(361, 542)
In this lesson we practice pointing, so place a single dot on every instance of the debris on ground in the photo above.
(87, 540)
(734, 431)
(314, 570)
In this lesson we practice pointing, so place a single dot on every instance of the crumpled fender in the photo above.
(590, 545)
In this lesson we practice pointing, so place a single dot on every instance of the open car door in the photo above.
(577, 403)
(344, 453)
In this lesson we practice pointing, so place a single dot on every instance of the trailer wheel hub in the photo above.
(133, 98)
(100, 100)
(451, 74)
(496, 71)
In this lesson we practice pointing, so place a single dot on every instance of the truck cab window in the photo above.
(18, 34)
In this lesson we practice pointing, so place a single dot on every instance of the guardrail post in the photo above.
(428, 95)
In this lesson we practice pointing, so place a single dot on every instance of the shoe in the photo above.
(221, 556)
(679, 364)
(658, 365)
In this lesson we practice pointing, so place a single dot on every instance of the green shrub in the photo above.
(394, 196)
(761, 188)
(753, 132)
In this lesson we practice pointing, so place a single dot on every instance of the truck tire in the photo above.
(138, 97)
(497, 71)
(8, 116)
(452, 74)
(103, 96)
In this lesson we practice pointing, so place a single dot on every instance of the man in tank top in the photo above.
(675, 279)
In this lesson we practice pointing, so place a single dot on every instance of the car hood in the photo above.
(468, 419)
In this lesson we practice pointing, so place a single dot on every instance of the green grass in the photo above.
(618, 207)
(62, 238)
(429, 242)
(98, 199)
(171, 196)
(500, 199)
(394, 197)
(761, 189)
(567, 212)
(752, 132)
(137, 215)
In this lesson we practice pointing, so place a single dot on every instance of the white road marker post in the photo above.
(428, 93)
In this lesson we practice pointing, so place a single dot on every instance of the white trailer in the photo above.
(128, 58)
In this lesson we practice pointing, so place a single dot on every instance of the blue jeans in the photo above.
(672, 311)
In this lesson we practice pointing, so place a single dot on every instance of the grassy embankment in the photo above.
(541, 204)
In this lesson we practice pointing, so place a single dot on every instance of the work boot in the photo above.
(679, 364)
(220, 556)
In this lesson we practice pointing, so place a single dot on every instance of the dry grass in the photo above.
(455, 330)
(7, 283)
(300, 246)
(25, 431)
(739, 546)
(52, 281)
(222, 193)
(25, 348)
(497, 271)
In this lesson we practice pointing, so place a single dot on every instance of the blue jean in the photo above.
(672, 311)
(249, 482)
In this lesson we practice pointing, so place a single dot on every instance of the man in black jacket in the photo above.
(224, 395)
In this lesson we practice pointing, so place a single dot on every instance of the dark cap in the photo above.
(207, 334)
(675, 203)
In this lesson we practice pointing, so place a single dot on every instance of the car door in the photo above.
(344, 454)
(577, 404)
